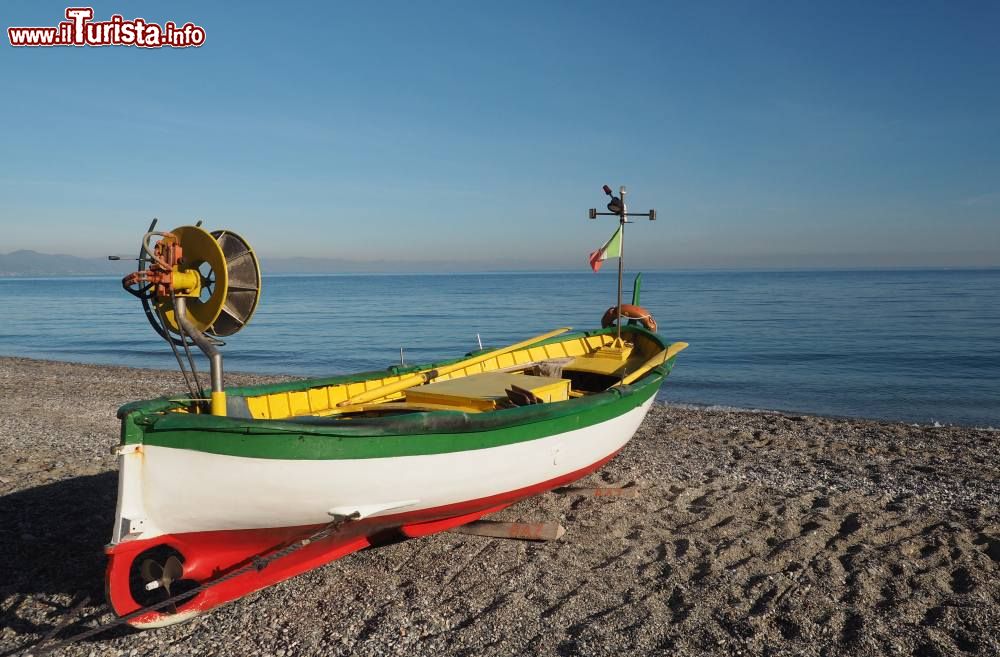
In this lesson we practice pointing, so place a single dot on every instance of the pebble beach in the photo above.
(753, 533)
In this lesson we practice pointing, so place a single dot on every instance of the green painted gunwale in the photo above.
(407, 435)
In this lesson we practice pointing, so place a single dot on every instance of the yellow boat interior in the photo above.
(533, 372)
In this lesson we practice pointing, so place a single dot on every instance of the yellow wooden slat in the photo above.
(277, 406)
(299, 403)
(317, 400)
(258, 407)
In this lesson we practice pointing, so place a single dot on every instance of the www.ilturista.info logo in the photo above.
(80, 30)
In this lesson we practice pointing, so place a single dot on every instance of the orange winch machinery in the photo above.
(165, 272)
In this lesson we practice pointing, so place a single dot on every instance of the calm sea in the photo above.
(920, 346)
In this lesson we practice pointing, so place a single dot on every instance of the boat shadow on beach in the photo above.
(51, 547)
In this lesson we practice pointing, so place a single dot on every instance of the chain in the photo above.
(257, 563)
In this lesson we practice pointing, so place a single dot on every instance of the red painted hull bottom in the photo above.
(210, 555)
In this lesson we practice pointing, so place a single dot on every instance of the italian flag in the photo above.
(611, 249)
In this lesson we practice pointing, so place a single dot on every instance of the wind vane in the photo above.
(615, 247)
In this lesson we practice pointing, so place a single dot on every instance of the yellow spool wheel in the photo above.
(201, 253)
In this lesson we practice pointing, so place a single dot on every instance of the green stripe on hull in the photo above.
(289, 440)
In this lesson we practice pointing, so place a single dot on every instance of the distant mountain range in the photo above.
(33, 263)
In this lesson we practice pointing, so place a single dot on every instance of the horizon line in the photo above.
(488, 272)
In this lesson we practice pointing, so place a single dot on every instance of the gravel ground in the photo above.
(754, 534)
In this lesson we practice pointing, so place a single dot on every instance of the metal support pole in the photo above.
(621, 258)
(218, 402)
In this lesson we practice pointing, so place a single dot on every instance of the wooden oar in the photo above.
(423, 377)
(655, 361)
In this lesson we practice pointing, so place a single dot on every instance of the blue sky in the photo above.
(764, 134)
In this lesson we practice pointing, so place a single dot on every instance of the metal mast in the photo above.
(621, 257)
(619, 209)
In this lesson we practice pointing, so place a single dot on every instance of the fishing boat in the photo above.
(227, 490)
